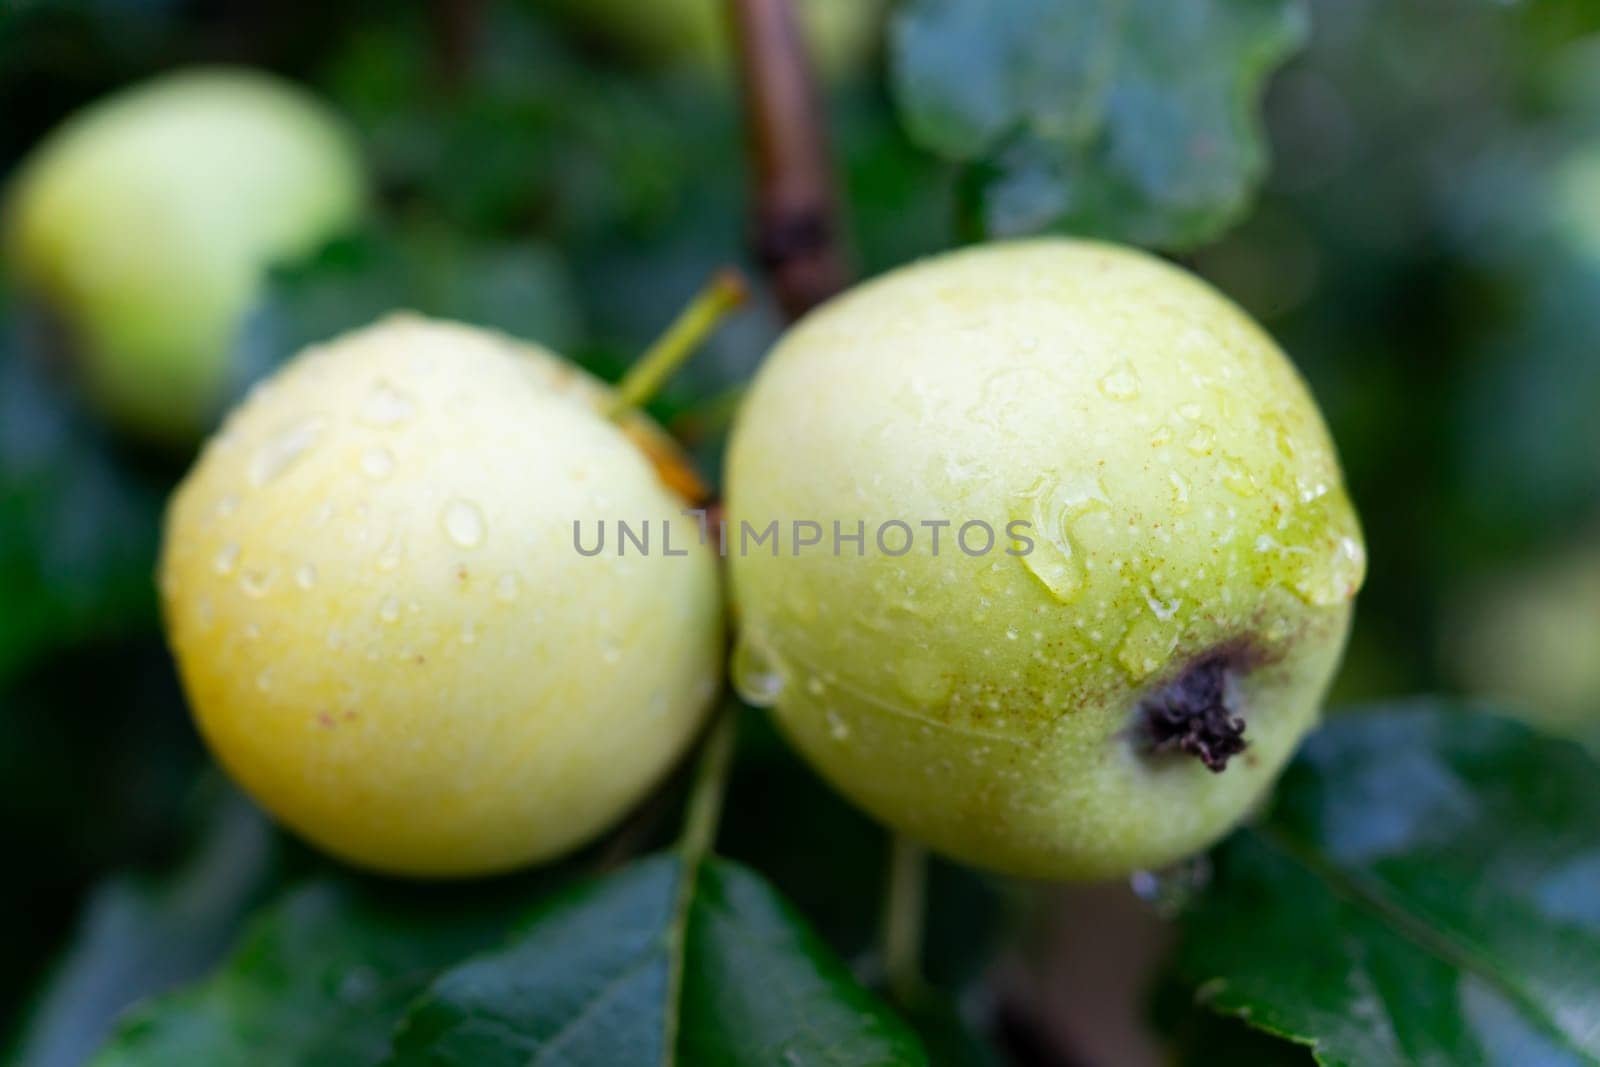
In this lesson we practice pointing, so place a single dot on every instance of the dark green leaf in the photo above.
(139, 936)
(78, 521)
(98, 761)
(320, 978)
(1426, 890)
(1196, 1036)
(660, 963)
(1127, 119)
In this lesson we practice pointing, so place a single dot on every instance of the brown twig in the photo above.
(456, 26)
(798, 235)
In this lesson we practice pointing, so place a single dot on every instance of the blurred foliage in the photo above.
(140, 935)
(1425, 243)
(1129, 121)
(1399, 255)
(78, 519)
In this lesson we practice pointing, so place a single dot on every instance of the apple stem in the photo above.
(723, 293)
(904, 904)
(704, 809)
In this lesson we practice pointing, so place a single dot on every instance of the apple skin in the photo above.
(382, 626)
(146, 223)
(841, 33)
(1187, 507)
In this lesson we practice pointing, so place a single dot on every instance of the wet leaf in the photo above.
(662, 962)
(1427, 889)
(1134, 120)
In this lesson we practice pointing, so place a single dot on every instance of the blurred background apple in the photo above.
(143, 227)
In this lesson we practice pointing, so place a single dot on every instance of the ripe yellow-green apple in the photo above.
(146, 225)
(382, 625)
(1531, 638)
(841, 33)
(1113, 681)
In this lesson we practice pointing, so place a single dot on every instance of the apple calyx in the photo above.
(1190, 714)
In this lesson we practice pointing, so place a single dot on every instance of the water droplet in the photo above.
(1146, 648)
(1237, 478)
(386, 406)
(923, 681)
(1165, 610)
(1122, 383)
(377, 462)
(389, 610)
(506, 589)
(469, 634)
(264, 679)
(758, 678)
(320, 517)
(225, 559)
(1339, 576)
(1050, 508)
(279, 454)
(1180, 490)
(1200, 441)
(256, 583)
(838, 729)
(227, 506)
(1282, 436)
(463, 523)
(305, 576)
(1169, 891)
(392, 552)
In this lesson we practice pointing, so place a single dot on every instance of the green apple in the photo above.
(841, 33)
(146, 224)
(1169, 584)
(385, 634)
(1531, 638)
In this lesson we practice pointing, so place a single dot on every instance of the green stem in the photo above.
(694, 846)
(710, 783)
(724, 292)
(904, 904)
